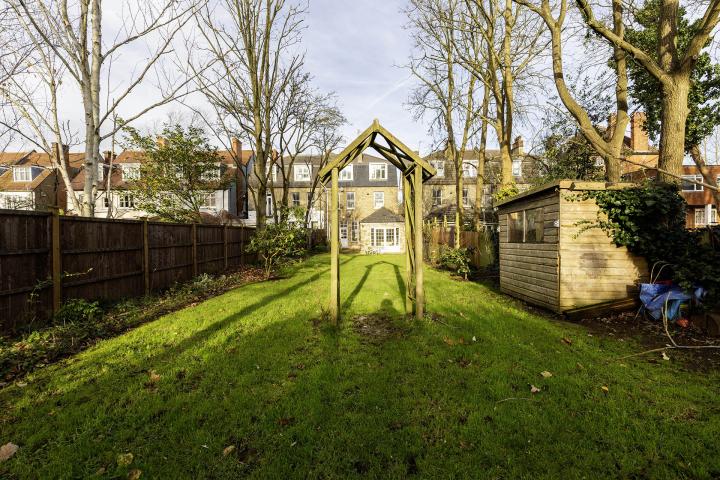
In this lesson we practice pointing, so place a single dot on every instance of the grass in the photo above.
(255, 368)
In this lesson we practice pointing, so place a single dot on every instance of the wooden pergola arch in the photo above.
(415, 171)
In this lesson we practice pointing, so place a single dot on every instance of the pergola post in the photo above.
(334, 250)
(409, 247)
(418, 231)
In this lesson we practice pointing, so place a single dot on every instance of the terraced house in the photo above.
(29, 180)
(439, 191)
(370, 201)
(120, 201)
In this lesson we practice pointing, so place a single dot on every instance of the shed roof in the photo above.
(383, 215)
(564, 184)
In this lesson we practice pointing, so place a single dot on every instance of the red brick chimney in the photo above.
(639, 141)
(236, 148)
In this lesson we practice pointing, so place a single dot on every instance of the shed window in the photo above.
(515, 227)
(526, 226)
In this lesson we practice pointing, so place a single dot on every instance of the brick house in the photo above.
(126, 168)
(370, 199)
(700, 208)
(439, 191)
(29, 181)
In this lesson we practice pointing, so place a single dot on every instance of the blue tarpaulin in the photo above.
(654, 296)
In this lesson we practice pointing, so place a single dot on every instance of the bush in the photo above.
(650, 221)
(506, 191)
(279, 244)
(456, 260)
(77, 311)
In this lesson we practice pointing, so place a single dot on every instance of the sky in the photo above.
(356, 49)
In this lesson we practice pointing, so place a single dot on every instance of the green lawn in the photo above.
(381, 397)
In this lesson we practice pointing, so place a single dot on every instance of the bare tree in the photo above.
(671, 66)
(446, 91)
(500, 45)
(32, 76)
(326, 138)
(608, 144)
(74, 33)
(251, 48)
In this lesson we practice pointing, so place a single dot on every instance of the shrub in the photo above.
(279, 244)
(650, 221)
(506, 191)
(456, 260)
(77, 311)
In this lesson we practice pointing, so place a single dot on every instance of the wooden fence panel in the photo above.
(210, 249)
(479, 244)
(170, 254)
(103, 259)
(25, 268)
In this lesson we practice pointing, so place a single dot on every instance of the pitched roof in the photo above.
(7, 184)
(383, 215)
(10, 158)
(42, 159)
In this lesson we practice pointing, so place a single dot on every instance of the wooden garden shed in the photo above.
(546, 260)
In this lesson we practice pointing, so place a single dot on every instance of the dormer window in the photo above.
(302, 173)
(22, 174)
(470, 168)
(130, 172)
(439, 165)
(346, 174)
(378, 171)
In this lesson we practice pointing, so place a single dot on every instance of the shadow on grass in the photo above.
(299, 400)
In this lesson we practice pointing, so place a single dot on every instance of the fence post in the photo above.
(225, 245)
(194, 250)
(242, 245)
(146, 256)
(56, 260)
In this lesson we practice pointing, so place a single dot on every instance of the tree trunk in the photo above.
(672, 133)
(458, 201)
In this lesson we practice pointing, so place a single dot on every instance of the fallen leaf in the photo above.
(134, 474)
(474, 339)
(566, 341)
(125, 459)
(534, 389)
(21, 384)
(605, 389)
(100, 471)
(284, 422)
(153, 376)
(665, 356)
(7, 451)
(546, 374)
(449, 341)
(228, 450)
(579, 366)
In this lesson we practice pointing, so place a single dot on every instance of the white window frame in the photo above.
(695, 186)
(378, 167)
(699, 214)
(268, 204)
(378, 196)
(376, 233)
(295, 199)
(436, 199)
(126, 200)
(210, 175)
(350, 204)
(517, 167)
(22, 174)
(466, 197)
(439, 165)
(100, 172)
(209, 200)
(130, 172)
(346, 174)
(302, 173)
(469, 168)
(271, 170)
